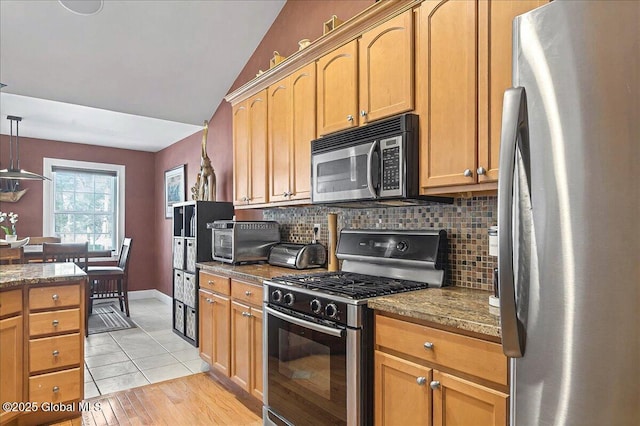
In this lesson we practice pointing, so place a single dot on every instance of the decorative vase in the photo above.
(11, 238)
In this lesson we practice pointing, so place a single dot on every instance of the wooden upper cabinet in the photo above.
(386, 69)
(292, 127)
(250, 150)
(494, 67)
(280, 146)
(446, 91)
(338, 89)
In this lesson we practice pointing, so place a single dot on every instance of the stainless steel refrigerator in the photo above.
(569, 215)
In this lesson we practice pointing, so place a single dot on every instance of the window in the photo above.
(84, 202)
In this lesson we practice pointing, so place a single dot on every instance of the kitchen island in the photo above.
(42, 310)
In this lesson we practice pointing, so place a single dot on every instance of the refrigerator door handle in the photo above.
(515, 132)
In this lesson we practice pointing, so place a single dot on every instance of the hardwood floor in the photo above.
(198, 399)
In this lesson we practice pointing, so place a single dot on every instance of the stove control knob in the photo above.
(276, 296)
(289, 299)
(402, 246)
(331, 310)
(316, 306)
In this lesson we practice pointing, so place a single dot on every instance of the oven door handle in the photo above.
(336, 332)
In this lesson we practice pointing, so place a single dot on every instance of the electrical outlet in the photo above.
(316, 228)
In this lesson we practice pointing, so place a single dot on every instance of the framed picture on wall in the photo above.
(174, 189)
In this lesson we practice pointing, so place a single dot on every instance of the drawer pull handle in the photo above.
(55, 297)
(56, 389)
(428, 345)
(55, 323)
(247, 293)
(210, 282)
(55, 353)
(434, 385)
(246, 314)
(421, 380)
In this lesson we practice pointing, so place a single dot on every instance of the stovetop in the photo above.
(351, 285)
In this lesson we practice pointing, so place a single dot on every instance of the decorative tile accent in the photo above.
(466, 221)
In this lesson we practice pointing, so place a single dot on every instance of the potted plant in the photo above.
(9, 231)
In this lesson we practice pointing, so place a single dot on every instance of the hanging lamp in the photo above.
(16, 172)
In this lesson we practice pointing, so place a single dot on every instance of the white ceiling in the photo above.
(140, 74)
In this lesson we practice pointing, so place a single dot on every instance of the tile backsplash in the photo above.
(466, 221)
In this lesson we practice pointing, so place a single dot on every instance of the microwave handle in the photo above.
(372, 190)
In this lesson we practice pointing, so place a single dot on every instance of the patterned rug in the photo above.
(108, 317)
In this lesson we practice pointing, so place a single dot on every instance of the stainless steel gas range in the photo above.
(318, 331)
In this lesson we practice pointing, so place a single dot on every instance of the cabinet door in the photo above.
(221, 333)
(280, 148)
(303, 112)
(446, 92)
(257, 106)
(241, 154)
(205, 326)
(460, 402)
(256, 353)
(240, 344)
(494, 71)
(338, 89)
(386, 69)
(401, 391)
(11, 367)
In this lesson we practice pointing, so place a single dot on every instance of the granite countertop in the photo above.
(253, 272)
(461, 308)
(38, 273)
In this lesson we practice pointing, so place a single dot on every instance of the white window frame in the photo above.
(48, 165)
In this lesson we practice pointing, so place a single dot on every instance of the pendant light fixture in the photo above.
(14, 171)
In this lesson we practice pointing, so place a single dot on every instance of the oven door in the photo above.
(310, 372)
(346, 174)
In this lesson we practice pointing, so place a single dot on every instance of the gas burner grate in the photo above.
(355, 286)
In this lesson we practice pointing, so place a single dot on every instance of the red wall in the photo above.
(139, 196)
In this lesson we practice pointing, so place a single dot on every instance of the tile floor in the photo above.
(151, 353)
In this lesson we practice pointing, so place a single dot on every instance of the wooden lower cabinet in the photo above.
(422, 377)
(401, 397)
(11, 364)
(231, 330)
(214, 330)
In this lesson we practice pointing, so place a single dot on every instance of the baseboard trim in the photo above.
(150, 294)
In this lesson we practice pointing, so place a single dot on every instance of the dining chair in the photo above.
(11, 256)
(110, 282)
(77, 253)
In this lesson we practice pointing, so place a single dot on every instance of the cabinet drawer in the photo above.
(249, 293)
(54, 322)
(178, 284)
(54, 297)
(189, 289)
(466, 354)
(215, 283)
(191, 254)
(10, 302)
(54, 352)
(61, 386)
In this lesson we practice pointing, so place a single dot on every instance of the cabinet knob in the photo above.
(55, 389)
(428, 345)
(349, 117)
(434, 384)
(363, 113)
(247, 293)
(55, 297)
(481, 170)
(55, 323)
(468, 173)
(55, 353)
(421, 380)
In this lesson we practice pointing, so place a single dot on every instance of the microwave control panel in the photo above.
(391, 150)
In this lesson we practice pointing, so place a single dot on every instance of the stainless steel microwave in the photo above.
(373, 162)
